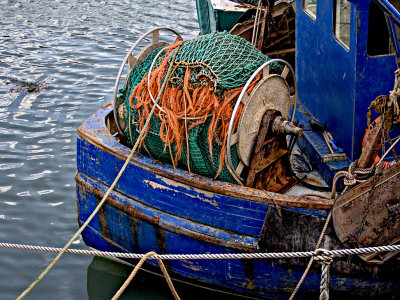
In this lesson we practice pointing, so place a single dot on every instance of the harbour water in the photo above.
(58, 63)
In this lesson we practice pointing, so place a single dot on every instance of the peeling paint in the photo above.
(156, 185)
(192, 266)
(174, 183)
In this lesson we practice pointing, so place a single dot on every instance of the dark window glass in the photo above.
(378, 33)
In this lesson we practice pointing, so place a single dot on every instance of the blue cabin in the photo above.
(344, 60)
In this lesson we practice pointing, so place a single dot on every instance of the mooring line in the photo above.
(325, 257)
(312, 257)
(63, 250)
(137, 268)
(268, 255)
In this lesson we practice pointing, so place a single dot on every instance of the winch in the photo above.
(195, 118)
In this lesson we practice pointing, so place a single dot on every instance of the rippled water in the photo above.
(58, 63)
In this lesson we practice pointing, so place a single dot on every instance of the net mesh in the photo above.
(190, 130)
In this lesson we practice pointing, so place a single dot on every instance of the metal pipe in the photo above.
(121, 69)
(389, 9)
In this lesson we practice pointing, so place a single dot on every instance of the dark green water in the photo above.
(58, 63)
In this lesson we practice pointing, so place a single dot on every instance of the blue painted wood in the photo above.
(150, 212)
(243, 217)
(118, 231)
(173, 222)
(374, 75)
(325, 72)
(314, 144)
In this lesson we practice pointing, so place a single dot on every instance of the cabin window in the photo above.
(310, 7)
(341, 21)
(396, 5)
(378, 34)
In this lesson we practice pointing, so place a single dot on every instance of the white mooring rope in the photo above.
(319, 253)
(325, 261)
(323, 256)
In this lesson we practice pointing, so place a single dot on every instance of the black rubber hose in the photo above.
(314, 187)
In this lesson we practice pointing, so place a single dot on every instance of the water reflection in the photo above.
(58, 63)
(144, 285)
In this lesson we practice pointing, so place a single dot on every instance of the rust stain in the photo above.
(232, 236)
(134, 229)
(249, 271)
(103, 220)
(366, 215)
(160, 240)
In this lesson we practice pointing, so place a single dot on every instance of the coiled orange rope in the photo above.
(194, 102)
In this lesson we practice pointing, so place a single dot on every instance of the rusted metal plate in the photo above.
(270, 166)
(369, 214)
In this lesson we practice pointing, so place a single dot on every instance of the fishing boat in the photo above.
(247, 197)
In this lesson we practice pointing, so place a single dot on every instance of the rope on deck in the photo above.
(319, 253)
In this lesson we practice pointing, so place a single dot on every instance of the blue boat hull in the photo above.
(157, 208)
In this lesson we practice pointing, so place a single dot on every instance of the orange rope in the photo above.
(190, 101)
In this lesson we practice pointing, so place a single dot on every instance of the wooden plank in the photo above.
(272, 53)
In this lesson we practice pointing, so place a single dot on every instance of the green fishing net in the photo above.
(227, 59)
(228, 62)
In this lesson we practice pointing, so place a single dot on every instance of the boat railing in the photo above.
(389, 9)
(393, 19)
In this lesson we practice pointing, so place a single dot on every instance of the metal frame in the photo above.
(155, 39)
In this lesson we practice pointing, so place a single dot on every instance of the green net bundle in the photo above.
(190, 130)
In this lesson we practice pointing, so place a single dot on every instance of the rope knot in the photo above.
(356, 175)
(323, 256)
(325, 259)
